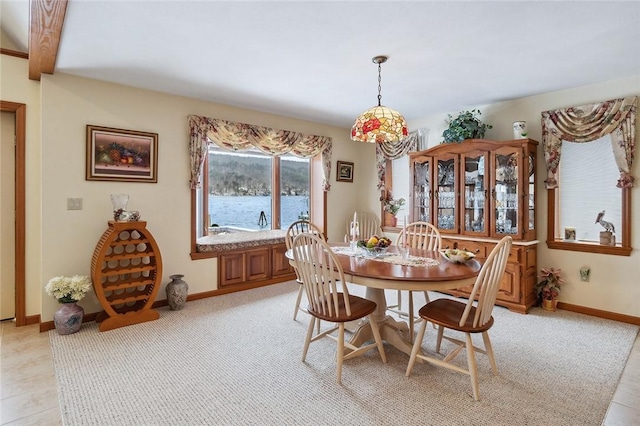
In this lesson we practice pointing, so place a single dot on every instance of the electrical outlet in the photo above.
(74, 203)
(585, 271)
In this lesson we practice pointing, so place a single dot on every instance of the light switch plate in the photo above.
(74, 203)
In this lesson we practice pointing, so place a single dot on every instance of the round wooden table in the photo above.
(377, 276)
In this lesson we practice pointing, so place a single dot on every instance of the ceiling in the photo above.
(312, 60)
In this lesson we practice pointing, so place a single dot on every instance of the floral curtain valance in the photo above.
(240, 137)
(393, 151)
(616, 117)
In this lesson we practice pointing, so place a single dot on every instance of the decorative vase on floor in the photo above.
(68, 319)
(549, 304)
(177, 292)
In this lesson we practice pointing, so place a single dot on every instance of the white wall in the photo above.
(614, 279)
(16, 87)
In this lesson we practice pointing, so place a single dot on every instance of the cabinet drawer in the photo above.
(479, 249)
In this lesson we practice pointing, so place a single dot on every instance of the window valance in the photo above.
(616, 117)
(234, 136)
(394, 150)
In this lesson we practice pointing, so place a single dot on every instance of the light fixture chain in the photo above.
(379, 84)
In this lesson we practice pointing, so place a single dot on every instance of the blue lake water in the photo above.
(244, 211)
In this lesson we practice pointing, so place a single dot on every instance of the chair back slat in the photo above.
(321, 274)
(421, 235)
(298, 227)
(488, 283)
(368, 225)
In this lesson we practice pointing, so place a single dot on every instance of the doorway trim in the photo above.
(20, 110)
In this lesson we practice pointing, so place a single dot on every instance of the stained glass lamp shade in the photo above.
(379, 124)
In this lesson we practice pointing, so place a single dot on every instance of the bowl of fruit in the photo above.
(457, 255)
(374, 246)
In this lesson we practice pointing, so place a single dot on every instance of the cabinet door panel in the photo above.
(232, 270)
(510, 285)
(280, 263)
(473, 194)
(446, 195)
(258, 264)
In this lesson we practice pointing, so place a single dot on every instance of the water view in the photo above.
(244, 211)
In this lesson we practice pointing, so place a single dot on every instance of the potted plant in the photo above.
(68, 291)
(466, 125)
(392, 206)
(548, 288)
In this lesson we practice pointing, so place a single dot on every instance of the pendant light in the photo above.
(379, 124)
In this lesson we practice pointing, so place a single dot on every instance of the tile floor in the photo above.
(28, 392)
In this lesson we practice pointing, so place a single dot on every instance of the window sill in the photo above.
(588, 247)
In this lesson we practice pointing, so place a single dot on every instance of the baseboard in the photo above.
(32, 319)
(49, 325)
(599, 313)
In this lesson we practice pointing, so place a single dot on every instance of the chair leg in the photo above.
(427, 299)
(307, 339)
(378, 338)
(489, 349)
(411, 319)
(439, 341)
(399, 305)
(340, 354)
(473, 368)
(416, 347)
(298, 300)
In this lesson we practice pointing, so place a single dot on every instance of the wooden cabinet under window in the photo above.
(476, 192)
(254, 265)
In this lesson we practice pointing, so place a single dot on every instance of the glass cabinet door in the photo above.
(446, 193)
(531, 202)
(422, 189)
(506, 192)
(474, 181)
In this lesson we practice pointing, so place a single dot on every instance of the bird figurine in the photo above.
(608, 226)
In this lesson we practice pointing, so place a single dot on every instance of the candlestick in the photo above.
(404, 231)
(354, 224)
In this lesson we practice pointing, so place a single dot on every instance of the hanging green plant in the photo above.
(466, 125)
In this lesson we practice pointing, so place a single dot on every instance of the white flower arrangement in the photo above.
(68, 289)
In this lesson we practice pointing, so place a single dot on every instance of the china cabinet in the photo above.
(475, 192)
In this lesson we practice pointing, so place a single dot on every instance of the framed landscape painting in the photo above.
(345, 172)
(121, 155)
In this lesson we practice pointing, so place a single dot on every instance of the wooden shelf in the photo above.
(122, 307)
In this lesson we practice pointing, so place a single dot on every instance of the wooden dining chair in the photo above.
(329, 299)
(296, 228)
(468, 318)
(419, 235)
(368, 225)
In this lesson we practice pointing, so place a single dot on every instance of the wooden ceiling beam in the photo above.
(45, 29)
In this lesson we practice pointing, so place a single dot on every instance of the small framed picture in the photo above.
(121, 155)
(345, 172)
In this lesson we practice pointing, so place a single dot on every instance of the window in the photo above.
(250, 190)
(587, 177)
(583, 195)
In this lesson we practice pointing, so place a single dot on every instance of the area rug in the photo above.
(235, 360)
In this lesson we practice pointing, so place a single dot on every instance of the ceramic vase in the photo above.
(177, 292)
(68, 319)
(393, 221)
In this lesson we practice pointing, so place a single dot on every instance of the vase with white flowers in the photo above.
(68, 291)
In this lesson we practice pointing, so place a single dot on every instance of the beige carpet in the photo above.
(235, 360)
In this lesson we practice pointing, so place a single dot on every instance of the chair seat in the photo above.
(360, 308)
(447, 312)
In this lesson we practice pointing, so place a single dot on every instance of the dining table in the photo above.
(417, 270)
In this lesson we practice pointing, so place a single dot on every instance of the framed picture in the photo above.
(121, 155)
(345, 172)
